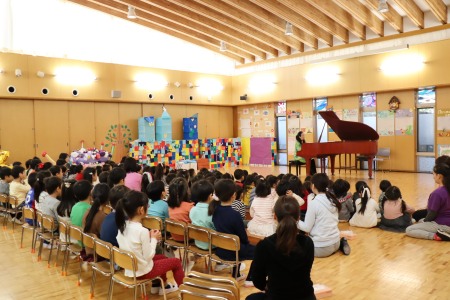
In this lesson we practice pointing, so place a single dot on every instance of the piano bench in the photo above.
(297, 165)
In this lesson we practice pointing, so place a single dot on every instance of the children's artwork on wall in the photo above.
(146, 129)
(190, 128)
(404, 120)
(268, 124)
(443, 122)
(256, 120)
(245, 111)
(256, 112)
(118, 135)
(443, 150)
(350, 115)
(164, 127)
(265, 112)
(385, 123)
(306, 122)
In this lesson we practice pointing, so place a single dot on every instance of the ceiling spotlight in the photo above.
(288, 29)
(177, 84)
(383, 6)
(223, 46)
(131, 12)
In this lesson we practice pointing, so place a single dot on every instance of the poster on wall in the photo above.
(443, 122)
(404, 121)
(350, 115)
(245, 128)
(443, 150)
(385, 123)
(306, 122)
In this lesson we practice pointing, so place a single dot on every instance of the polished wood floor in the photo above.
(382, 265)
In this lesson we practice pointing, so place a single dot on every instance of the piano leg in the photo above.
(308, 166)
(370, 165)
(332, 160)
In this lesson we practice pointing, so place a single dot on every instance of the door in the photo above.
(282, 141)
(51, 127)
(17, 129)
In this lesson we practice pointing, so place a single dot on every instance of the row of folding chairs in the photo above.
(70, 239)
(9, 205)
(211, 237)
(199, 286)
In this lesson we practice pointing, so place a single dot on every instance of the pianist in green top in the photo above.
(300, 140)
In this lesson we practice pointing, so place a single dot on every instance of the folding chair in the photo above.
(64, 241)
(49, 234)
(225, 282)
(75, 234)
(103, 250)
(29, 213)
(152, 222)
(127, 260)
(176, 228)
(201, 234)
(107, 209)
(228, 242)
(13, 209)
(4, 203)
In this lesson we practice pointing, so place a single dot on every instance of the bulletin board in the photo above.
(404, 122)
(256, 120)
(385, 123)
(443, 122)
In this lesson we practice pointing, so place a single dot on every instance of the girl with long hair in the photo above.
(367, 209)
(283, 261)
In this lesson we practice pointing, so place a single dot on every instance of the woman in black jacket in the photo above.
(283, 261)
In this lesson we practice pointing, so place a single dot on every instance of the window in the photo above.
(281, 109)
(320, 104)
(426, 96)
(425, 100)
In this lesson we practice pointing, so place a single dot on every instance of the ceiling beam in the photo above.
(272, 20)
(363, 15)
(414, 13)
(191, 21)
(202, 41)
(314, 15)
(225, 12)
(439, 9)
(341, 16)
(391, 16)
(295, 19)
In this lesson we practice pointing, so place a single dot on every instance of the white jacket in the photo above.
(321, 222)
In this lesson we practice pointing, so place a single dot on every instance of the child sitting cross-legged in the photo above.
(366, 209)
(132, 236)
(396, 213)
(340, 189)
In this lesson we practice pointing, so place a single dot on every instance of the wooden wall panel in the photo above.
(17, 129)
(442, 102)
(82, 125)
(51, 120)
(107, 115)
(225, 122)
(128, 116)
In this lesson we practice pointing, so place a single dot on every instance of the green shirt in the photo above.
(78, 211)
(298, 147)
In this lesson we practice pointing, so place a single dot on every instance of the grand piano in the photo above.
(356, 138)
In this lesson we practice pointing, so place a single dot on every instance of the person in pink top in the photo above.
(396, 213)
(179, 203)
(133, 180)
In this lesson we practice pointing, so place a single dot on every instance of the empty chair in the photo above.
(101, 263)
(4, 202)
(383, 154)
(29, 213)
(127, 260)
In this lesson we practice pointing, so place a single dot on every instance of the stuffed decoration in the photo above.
(89, 156)
(394, 103)
(3, 157)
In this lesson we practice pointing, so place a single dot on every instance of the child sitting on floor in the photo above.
(366, 210)
(396, 213)
(340, 189)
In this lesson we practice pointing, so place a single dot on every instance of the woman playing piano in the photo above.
(300, 139)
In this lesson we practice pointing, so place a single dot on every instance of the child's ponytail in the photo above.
(213, 206)
(287, 212)
(320, 181)
(127, 207)
(100, 196)
(120, 214)
(365, 196)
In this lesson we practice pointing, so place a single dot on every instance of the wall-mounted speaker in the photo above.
(171, 97)
(150, 96)
(243, 97)
(116, 94)
(75, 93)
(44, 91)
(11, 89)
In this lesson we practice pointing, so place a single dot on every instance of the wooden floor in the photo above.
(382, 265)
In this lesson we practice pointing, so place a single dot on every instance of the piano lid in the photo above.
(347, 130)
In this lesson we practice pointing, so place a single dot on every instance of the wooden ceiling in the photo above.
(254, 30)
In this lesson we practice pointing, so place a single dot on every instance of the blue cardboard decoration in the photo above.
(146, 128)
(164, 128)
(190, 128)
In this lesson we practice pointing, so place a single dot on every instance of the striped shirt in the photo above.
(262, 210)
(238, 206)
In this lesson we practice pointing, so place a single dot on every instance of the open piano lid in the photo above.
(347, 130)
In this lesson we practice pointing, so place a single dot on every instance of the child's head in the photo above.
(287, 213)
(282, 187)
(295, 185)
(170, 177)
(359, 184)
(117, 176)
(56, 171)
(117, 193)
(225, 190)
(32, 178)
(202, 191)
(134, 204)
(100, 196)
(262, 189)
(130, 165)
(5, 174)
(393, 193)
(82, 190)
(178, 192)
(156, 190)
(34, 163)
(238, 174)
(53, 185)
(39, 186)
(18, 172)
(341, 187)
(239, 191)
(103, 177)
(319, 184)
(384, 184)
(60, 162)
(271, 181)
(364, 194)
(67, 198)
(17, 163)
(90, 174)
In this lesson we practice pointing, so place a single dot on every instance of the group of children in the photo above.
(208, 199)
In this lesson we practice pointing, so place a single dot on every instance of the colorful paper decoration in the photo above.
(164, 127)
(190, 128)
(146, 128)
